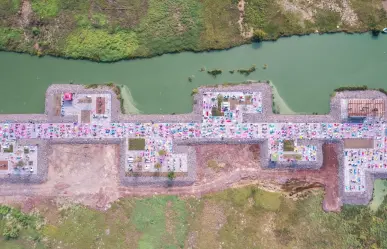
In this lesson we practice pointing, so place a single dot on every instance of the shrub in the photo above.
(35, 31)
(259, 35)
(194, 91)
(162, 152)
(171, 175)
(11, 231)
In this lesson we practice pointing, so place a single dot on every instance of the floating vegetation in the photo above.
(232, 71)
(265, 66)
(203, 69)
(246, 72)
(194, 91)
(190, 78)
(214, 72)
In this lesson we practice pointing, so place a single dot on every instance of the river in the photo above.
(304, 70)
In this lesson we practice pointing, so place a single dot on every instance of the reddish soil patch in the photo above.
(245, 159)
(227, 158)
(100, 105)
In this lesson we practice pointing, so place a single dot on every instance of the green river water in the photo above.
(304, 70)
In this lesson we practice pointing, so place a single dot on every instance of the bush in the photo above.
(11, 231)
(35, 31)
(194, 91)
(171, 175)
(259, 35)
(162, 152)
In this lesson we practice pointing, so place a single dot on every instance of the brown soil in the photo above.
(385, 5)
(88, 174)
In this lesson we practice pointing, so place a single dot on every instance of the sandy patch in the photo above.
(245, 31)
(87, 173)
(308, 9)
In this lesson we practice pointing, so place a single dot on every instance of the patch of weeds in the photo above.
(45, 8)
(136, 144)
(100, 45)
(327, 20)
(9, 7)
(220, 19)
(149, 218)
(9, 37)
(169, 25)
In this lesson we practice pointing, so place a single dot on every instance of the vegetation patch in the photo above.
(220, 18)
(9, 7)
(170, 25)
(100, 45)
(248, 71)
(214, 72)
(45, 8)
(136, 144)
(9, 37)
(288, 145)
(149, 218)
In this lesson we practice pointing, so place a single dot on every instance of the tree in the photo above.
(259, 35)
(171, 175)
(157, 166)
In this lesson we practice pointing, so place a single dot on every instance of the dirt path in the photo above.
(244, 33)
(25, 13)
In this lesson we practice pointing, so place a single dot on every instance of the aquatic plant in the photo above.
(194, 91)
(190, 78)
(203, 69)
(265, 66)
(351, 88)
(215, 72)
(232, 71)
(248, 71)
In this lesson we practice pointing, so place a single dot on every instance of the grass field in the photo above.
(236, 218)
(114, 30)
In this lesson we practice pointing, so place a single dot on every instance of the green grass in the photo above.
(136, 144)
(170, 25)
(220, 19)
(235, 219)
(9, 7)
(9, 37)
(113, 30)
(100, 45)
(45, 8)
(149, 218)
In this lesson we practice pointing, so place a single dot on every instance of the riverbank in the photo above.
(119, 30)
